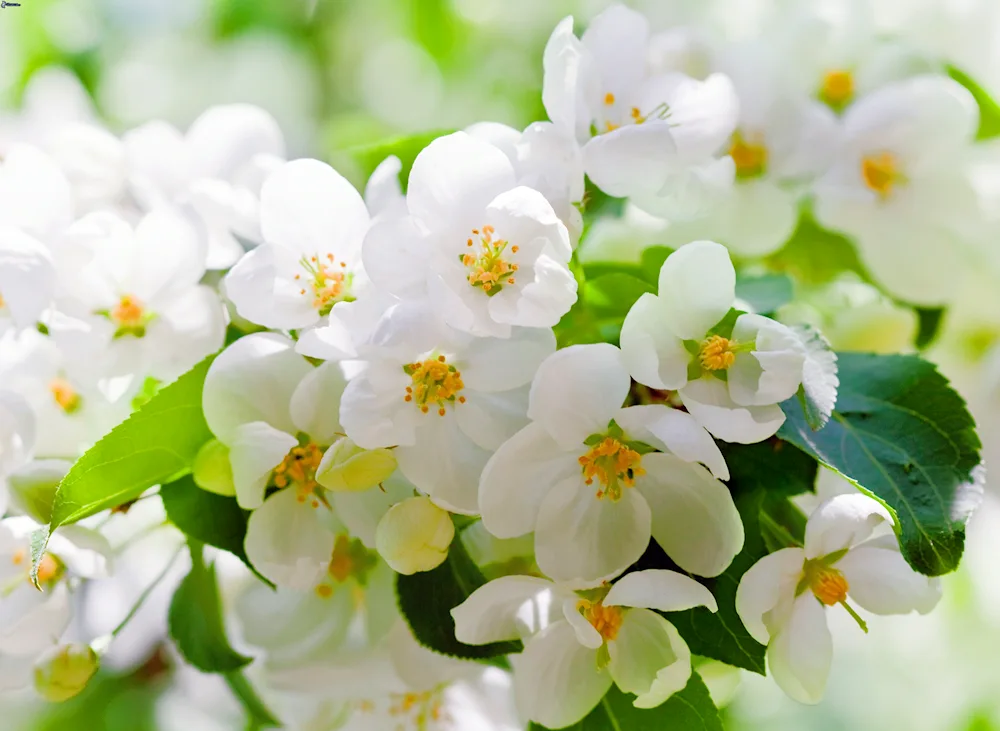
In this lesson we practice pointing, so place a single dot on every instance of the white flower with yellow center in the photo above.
(444, 399)
(730, 375)
(489, 254)
(657, 137)
(783, 598)
(17, 437)
(313, 222)
(276, 416)
(584, 478)
(900, 188)
(603, 636)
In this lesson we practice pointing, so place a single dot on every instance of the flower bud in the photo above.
(64, 671)
(346, 467)
(33, 487)
(212, 471)
(414, 535)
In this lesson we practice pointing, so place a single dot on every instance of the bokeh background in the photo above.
(338, 73)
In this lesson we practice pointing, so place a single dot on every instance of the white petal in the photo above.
(373, 412)
(315, 406)
(27, 276)
(675, 431)
(566, 63)
(494, 364)
(310, 209)
(255, 450)
(764, 585)
(757, 218)
(772, 372)
(517, 478)
(665, 591)
(649, 658)
(360, 512)
(881, 581)
(253, 380)
(654, 355)
(577, 391)
(489, 419)
(396, 254)
(842, 522)
(383, 192)
(508, 608)
(288, 541)
(586, 633)
(703, 114)
(617, 38)
(556, 680)
(697, 288)
(583, 540)
(694, 518)
(626, 160)
(526, 219)
(227, 137)
(708, 401)
(800, 655)
(41, 623)
(262, 287)
(34, 193)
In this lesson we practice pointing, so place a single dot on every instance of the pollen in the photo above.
(837, 88)
(828, 585)
(717, 353)
(130, 316)
(65, 396)
(328, 282)
(749, 155)
(489, 269)
(881, 173)
(609, 99)
(298, 470)
(606, 620)
(613, 464)
(19, 557)
(435, 383)
(49, 569)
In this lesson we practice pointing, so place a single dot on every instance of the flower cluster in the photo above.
(394, 380)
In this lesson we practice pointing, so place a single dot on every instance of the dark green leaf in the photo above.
(906, 437)
(766, 293)
(930, 319)
(814, 255)
(195, 620)
(989, 111)
(259, 715)
(690, 709)
(615, 293)
(426, 600)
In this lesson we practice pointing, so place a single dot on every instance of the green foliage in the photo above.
(426, 600)
(368, 157)
(814, 255)
(691, 709)
(989, 110)
(258, 713)
(930, 320)
(110, 702)
(906, 438)
(154, 445)
(614, 294)
(765, 293)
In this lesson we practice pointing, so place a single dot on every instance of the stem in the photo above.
(778, 531)
(147, 591)
(850, 610)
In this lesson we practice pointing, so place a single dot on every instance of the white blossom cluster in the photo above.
(396, 371)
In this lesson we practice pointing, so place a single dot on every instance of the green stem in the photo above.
(857, 618)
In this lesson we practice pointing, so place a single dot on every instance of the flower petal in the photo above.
(708, 401)
(881, 581)
(842, 522)
(697, 287)
(764, 585)
(660, 589)
(649, 658)
(27, 276)
(255, 450)
(566, 66)
(225, 138)
(653, 354)
(772, 372)
(315, 405)
(495, 364)
(586, 633)
(626, 160)
(508, 608)
(800, 655)
(674, 431)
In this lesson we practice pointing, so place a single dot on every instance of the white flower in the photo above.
(900, 189)
(582, 477)
(444, 399)
(313, 222)
(137, 306)
(669, 343)
(214, 172)
(17, 437)
(782, 599)
(605, 635)
(488, 253)
(656, 137)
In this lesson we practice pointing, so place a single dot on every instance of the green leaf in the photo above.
(814, 255)
(930, 320)
(258, 713)
(427, 598)
(818, 392)
(690, 709)
(989, 111)
(614, 294)
(405, 147)
(765, 293)
(195, 620)
(906, 438)
(154, 445)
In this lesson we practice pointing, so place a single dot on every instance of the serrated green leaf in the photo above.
(818, 392)
(156, 444)
(690, 709)
(989, 111)
(427, 598)
(195, 620)
(39, 540)
(906, 437)
(765, 293)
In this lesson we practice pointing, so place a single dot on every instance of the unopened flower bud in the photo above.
(33, 487)
(212, 471)
(64, 671)
(346, 467)
(414, 535)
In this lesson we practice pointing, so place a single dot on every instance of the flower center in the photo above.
(326, 281)
(606, 620)
(717, 353)
(50, 568)
(614, 464)
(488, 270)
(350, 559)
(881, 173)
(298, 469)
(419, 709)
(826, 583)
(749, 155)
(130, 316)
(837, 88)
(434, 382)
(65, 396)
(615, 119)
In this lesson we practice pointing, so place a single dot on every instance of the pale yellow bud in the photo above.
(414, 535)
(64, 671)
(212, 471)
(346, 467)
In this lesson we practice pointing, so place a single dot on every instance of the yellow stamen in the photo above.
(130, 316)
(837, 88)
(434, 383)
(606, 620)
(329, 283)
(609, 98)
(64, 395)
(749, 155)
(19, 557)
(828, 585)
(298, 469)
(488, 269)
(614, 464)
(48, 569)
(881, 173)
(717, 353)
